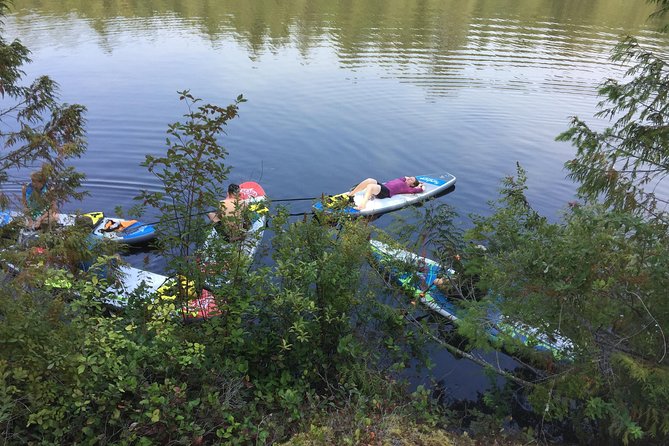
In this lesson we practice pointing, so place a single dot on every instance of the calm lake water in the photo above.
(337, 90)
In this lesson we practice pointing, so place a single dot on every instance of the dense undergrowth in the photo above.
(304, 350)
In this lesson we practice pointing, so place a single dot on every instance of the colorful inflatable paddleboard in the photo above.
(203, 304)
(434, 185)
(133, 279)
(132, 232)
(110, 228)
(405, 267)
(253, 197)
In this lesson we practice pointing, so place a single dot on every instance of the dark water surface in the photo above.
(337, 90)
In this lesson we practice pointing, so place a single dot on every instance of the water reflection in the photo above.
(475, 84)
(439, 45)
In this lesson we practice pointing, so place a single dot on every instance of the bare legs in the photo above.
(370, 190)
(362, 186)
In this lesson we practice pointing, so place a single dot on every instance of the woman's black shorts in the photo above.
(385, 193)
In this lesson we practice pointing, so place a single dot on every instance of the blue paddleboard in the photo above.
(434, 184)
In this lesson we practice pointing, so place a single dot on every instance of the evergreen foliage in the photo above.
(598, 276)
(34, 126)
(626, 162)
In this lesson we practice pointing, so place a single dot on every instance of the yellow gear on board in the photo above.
(168, 290)
(94, 216)
(338, 201)
(258, 208)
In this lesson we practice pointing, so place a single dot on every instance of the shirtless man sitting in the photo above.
(230, 219)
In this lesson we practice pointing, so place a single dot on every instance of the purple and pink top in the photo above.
(399, 186)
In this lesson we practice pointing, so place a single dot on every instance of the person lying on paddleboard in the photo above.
(372, 188)
(38, 206)
(231, 221)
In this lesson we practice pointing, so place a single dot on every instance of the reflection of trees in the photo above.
(424, 35)
(393, 24)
